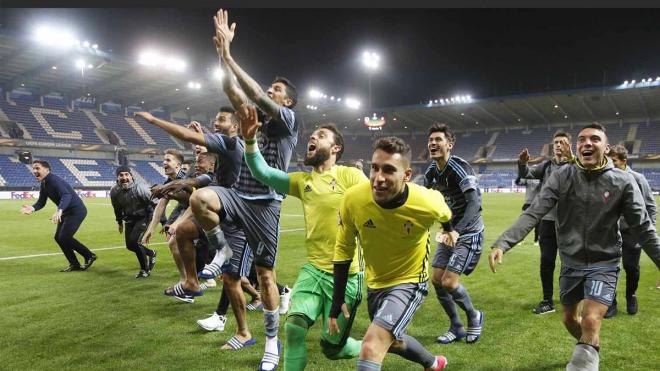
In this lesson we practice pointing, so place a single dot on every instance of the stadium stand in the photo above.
(151, 171)
(13, 173)
(83, 172)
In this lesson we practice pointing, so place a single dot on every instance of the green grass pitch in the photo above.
(106, 319)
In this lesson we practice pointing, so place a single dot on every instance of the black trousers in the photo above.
(64, 232)
(631, 255)
(133, 231)
(548, 245)
(536, 228)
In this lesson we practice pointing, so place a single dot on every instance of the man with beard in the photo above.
(70, 214)
(455, 178)
(590, 196)
(390, 217)
(320, 191)
(132, 204)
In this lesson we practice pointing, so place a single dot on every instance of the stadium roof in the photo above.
(113, 77)
(628, 103)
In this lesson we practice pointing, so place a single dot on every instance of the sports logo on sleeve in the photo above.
(369, 224)
(408, 226)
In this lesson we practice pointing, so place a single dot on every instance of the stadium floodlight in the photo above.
(80, 63)
(332, 97)
(625, 82)
(149, 58)
(90, 66)
(315, 93)
(370, 60)
(86, 44)
(632, 82)
(50, 36)
(175, 64)
(54, 67)
(430, 102)
(556, 106)
(218, 73)
(338, 99)
(657, 78)
(435, 101)
(352, 103)
(95, 46)
(643, 80)
(617, 113)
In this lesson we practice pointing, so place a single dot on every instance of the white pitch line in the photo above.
(112, 248)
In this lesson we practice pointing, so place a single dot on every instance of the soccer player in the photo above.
(256, 206)
(320, 191)
(229, 147)
(562, 154)
(631, 249)
(590, 195)
(133, 207)
(391, 218)
(70, 214)
(172, 160)
(455, 178)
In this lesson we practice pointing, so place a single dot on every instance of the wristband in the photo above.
(250, 141)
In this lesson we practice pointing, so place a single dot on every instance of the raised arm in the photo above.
(174, 130)
(229, 85)
(225, 35)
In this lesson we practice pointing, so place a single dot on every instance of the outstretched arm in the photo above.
(174, 130)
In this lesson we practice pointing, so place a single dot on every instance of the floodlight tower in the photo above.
(371, 61)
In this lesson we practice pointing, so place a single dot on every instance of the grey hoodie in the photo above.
(589, 204)
(132, 203)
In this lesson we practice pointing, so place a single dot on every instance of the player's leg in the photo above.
(464, 258)
(176, 256)
(66, 249)
(186, 232)
(131, 237)
(307, 306)
(73, 223)
(456, 330)
(571, 293)
(238, 266)
(631, 255)
(261, 221)
(392, 310)
(586, 351)
(207, 205)
(341, 345)
(548, 247)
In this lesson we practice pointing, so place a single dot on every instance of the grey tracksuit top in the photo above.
(132, 203)
(589, 204)
(647, 194)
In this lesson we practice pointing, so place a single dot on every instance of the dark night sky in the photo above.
(427, 53)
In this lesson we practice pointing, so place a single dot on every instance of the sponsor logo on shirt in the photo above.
(369, 224)
(308, 188)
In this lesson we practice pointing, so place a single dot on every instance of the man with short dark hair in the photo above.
(256, 206)
(391, 218)
(320, 191)
(133, 207)
(631, 250)
(590, 196)
(562, 154)
(456, 180)
(70, 214)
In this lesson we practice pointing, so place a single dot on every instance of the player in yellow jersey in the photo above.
(320, 191)
(391, 218)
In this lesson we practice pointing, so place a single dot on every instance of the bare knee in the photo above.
(204, 199)
(571, 319)
(369, 349)
(449, 281)
(266, 276)
(591, 321)
(437, 277)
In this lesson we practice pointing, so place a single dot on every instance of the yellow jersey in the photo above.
(321, 194)
(395, 242)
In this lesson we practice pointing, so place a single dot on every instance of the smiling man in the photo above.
(132, 204)
(70, 214)
(590, 195)
(391, 218)
(455, 178)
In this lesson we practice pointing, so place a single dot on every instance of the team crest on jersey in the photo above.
(308, 188)
(369, 224)
(408, 226)
(606, 196)
(333, 184)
